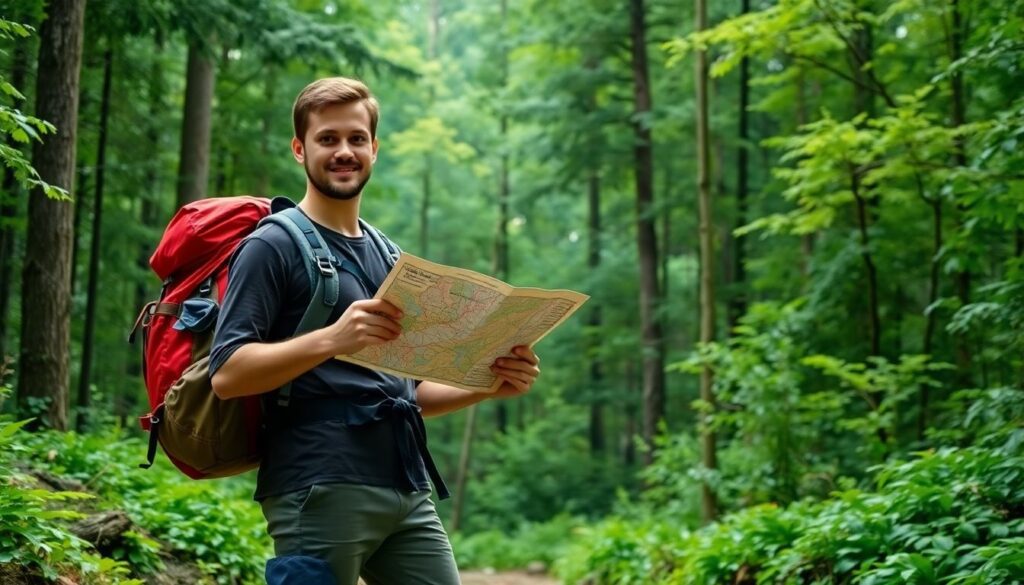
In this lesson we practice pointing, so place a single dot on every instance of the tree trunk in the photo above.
(738, 301)
(85, 375)
(807, 240)
(597, 440)
(962, 349)
(666, 233)
(501, 265)
(9, 206)
(860, 54)
(151, 181)
(434, 32)
(933, 295)
(647, 243)
(433, 28)
(874, 320)
(709, 458)
(459, 500)
(46, 279)
(629, 426)
(270, 83)
(81, 186)
(425, 207)
(194, 163)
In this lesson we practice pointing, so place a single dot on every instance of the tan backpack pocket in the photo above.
(203, 431)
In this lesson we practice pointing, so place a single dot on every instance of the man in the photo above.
(345, 474)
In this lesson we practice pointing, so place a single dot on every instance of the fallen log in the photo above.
(104, 531)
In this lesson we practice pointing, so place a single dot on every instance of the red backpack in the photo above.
(192, 260)
(203, 435)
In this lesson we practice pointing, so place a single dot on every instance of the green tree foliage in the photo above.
(20, 127)
(879, 356)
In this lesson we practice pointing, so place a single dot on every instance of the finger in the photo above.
(386, 332)
(517, 375)
(519, 386)
(517, 364)
(527, 354)
(384, 322)
(382, 308)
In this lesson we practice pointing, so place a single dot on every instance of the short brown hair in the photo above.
(330, 91)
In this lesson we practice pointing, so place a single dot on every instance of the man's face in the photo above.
(338, 151)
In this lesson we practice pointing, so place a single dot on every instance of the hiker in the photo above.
(344, 475)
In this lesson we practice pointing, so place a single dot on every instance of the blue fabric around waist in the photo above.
(299, 570)
(352, 413)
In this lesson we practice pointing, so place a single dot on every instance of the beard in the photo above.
(325, 186)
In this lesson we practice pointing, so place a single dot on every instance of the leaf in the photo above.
(8, 429)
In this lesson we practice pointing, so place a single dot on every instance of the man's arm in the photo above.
(518, 373)
(255, 368)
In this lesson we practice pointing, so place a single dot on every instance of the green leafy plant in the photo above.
(33, 527)
(214, 524)
(951, 516)
(22, 128)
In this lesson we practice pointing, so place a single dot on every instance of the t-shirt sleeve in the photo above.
(257, 284)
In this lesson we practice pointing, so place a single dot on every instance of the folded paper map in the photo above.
(456, 322)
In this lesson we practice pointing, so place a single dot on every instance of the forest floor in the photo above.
(505, 578)
(501, 578)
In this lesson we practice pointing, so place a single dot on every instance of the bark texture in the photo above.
(92, 297)
(647, 242)
(709, 457)
(46, 279)
(194, 165)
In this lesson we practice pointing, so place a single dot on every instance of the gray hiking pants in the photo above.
(387, 536)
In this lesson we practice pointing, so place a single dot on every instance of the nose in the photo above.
(344, 150)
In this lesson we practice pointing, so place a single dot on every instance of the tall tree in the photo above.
(501, 265)
(959, 118)
(738, 302)
(46, 279)
(89, 334)
(647, 243)
(433, 30)
(194, 163)
(596, 371)
(709, 457)
(462, 475)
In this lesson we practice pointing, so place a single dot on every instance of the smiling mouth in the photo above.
(343, 171)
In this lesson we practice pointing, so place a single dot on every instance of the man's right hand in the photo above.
(255, 368)
(366, 322)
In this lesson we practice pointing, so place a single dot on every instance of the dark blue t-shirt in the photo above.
(268, 293)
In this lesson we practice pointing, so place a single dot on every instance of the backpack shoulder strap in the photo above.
(388, 249)
(323, 277)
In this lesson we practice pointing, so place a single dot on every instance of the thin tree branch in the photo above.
(860, 58)
(834, 70)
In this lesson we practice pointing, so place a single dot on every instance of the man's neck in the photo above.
(339, 215)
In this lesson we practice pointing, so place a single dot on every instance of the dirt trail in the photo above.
(505, 578)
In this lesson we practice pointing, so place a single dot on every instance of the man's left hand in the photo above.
(517, 373)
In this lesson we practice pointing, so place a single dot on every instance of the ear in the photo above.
(375, 145)
(299, 151)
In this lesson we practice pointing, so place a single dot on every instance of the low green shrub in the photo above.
(33, 528)
(954, 516)
(213, 523)
(543, 542)
(535, 473)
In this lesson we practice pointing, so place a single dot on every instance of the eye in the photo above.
(326, 140)
(359, 139)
